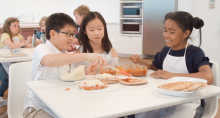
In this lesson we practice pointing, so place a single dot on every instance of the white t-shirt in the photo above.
(40, 72)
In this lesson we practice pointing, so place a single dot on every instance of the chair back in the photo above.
(19, 75)
(211, 107)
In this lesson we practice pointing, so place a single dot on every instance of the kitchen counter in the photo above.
(25, 25)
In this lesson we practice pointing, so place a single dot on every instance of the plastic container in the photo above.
(107, 70)
(138, 70)
(74, 75)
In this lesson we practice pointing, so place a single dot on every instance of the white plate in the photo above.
(111, 87)
(179, 93)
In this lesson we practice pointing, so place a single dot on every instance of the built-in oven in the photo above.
(132, 27)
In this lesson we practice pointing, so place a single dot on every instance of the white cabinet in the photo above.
(130, 27)
(130, 45)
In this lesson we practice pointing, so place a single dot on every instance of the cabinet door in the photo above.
(130, 45)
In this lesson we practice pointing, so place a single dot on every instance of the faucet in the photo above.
(32, 15)
(30, 12)
(20, 16)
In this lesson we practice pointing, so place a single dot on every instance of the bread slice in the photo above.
(133, 81)
(194, 87)
(177, 86)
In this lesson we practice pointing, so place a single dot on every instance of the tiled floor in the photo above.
(122, 60)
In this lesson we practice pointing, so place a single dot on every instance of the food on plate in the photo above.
(107, 70)
(133, 81)
(195, 86)
(185, 86)
(107, 78)
(138, 70)
(93, 84)
(176, 86)
(76, 74)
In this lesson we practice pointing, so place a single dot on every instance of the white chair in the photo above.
(211, 107)
(19, 75)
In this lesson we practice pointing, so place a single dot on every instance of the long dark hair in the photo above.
(186, 22)
(83, 38)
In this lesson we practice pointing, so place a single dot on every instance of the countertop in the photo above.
(25, 25)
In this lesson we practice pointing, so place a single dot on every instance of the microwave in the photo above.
(132, 11)
(132, 27)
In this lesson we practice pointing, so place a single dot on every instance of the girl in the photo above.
(10, 39)
(178, 58)
(94, 38)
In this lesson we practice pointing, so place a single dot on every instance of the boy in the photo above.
(49, 57)
(80, 12)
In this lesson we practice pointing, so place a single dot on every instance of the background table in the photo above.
(28, 51)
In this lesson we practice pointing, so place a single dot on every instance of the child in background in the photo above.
(10, 39)
(79, 13)
(52, 56)
(94, 38)
(178, 58)
(42, 26)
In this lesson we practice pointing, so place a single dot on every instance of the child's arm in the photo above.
(12, 45)
(114, 53)
(27, 42)
(57, 60)
(205, 72)
(137, 59)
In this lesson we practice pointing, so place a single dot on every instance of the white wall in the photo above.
(40, 8)
(211, 29)
(13, 8)
(108, 8)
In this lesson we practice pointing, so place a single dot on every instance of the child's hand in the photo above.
(96, 59)
(135, 59)
(92, 69)
(43, 29)
(163, 74)
(38, 41)
(29, 39)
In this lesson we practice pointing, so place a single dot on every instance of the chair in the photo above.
(19, 74)
(211, 107)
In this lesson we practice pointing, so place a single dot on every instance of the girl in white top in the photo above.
(94, 38)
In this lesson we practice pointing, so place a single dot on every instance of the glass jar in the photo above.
(107, 70)
(138, 70)
(124, 67)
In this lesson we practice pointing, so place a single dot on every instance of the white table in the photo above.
(28, 51)
(74, 103)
